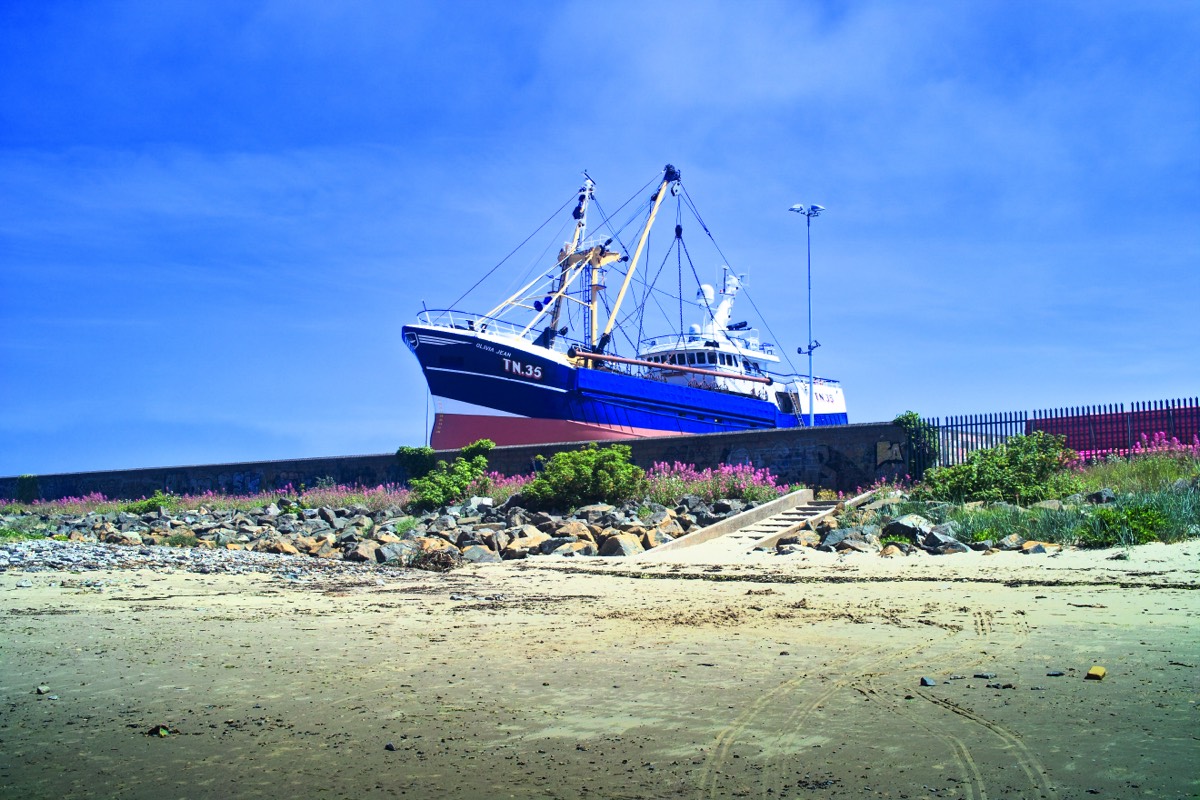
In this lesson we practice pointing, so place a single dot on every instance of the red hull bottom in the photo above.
(452, 431)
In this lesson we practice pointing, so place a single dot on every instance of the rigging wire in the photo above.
(767, 325)
(679, 265)
(549, 219)
(606, 221)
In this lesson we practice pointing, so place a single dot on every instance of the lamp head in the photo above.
(808, 211)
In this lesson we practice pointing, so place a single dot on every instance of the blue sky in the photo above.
(215, 217)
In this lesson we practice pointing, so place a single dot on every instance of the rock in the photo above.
(1036, 548)
(986, 676)
(673, 527)
(363, 523)
(1055, 673)
(478, 554)
(573, 549)
(940, 540)
(950, 548)
(433, 544)
(890, 551)
(623, 544)
(789, 549)
(127, 538)
(391, 748)
(1052, 505)
(469, 536)
(397, 552)
(986, 544)
(442, 524)
(655, 537)
(529, 541)
(832, 537)
(728, 507)
(855, 544)
(574, 528)
(328, 516)
(805, 538)
(280, 546)
(479, 505)
(43, 689)
(911, 526)
(362, 551)
(542, 518)
(496, 540)
(554, 542)
(594, 513)
(1010, 542)
(928, 682)
(660, 517)
(1101, 497)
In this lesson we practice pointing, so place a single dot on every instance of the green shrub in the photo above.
(15, 535)
(590, 475)
(446, 483)
(477, 448)
(27, 489)
(1025, 469)
(182, 540)
(158, 502)
(416, 462)
(922, 437)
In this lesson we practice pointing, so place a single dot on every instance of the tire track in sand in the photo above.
(853, 665)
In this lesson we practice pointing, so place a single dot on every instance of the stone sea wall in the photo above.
(841, 458)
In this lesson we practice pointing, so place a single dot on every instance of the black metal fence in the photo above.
(1092, 431)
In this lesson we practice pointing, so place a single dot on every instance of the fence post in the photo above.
(1129, 431)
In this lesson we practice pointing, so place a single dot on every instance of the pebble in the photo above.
(49, 555)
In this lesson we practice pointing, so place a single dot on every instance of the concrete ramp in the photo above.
(760, 527)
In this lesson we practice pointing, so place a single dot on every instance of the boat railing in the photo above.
(746, 341)
(791, 380)
(481, 323)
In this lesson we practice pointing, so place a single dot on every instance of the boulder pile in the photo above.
(475, 531)
(905, 535)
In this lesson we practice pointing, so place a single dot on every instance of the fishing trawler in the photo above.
(545, 365)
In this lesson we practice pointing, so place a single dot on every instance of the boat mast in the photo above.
(580, 215)
(670, 175)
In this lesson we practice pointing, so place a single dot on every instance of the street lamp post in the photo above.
(809, 212)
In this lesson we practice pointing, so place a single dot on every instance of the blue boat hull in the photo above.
(486, 388)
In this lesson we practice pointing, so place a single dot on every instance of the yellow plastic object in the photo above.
(1095, 674)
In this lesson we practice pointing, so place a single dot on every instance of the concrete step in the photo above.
(758, 528)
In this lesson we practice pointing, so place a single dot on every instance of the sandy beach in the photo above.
(769, 678)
